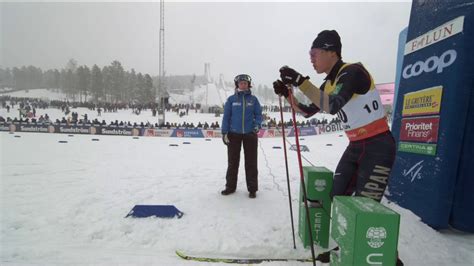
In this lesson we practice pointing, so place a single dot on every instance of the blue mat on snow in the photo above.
(161, 211)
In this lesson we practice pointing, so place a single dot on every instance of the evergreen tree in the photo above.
(97, 84)
(107, 83)
(140, 87)
(48, 79)
(3, 77)
(132, 90)
(62, 80)
(56, 79)
(71, 84)
(117, 78)
(149, 92)
(18, 78)
(9, 82)
(83, 81)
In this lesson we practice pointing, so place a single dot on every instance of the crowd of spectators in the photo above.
(27, 114)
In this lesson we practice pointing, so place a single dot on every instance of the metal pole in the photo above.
(298, 151)
(161, 91)
(287, 173)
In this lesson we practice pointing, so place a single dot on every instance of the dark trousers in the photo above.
(250, 142)
(365, 167)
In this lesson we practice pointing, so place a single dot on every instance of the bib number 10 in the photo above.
(368, 107)
(375, 106)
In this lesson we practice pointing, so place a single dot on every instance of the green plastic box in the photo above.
(318, 181)
(366, 231)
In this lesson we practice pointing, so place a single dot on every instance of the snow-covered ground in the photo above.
(65, 203)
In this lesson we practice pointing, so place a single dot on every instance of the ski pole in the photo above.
(287, 173)
(298, 151)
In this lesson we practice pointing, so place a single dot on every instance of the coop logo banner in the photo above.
(422, 102)
(187, 133)
(436, 35)
(438, 63)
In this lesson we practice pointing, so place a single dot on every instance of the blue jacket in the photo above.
(242, 113)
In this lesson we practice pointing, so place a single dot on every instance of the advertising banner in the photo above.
(422, 102)
(330, 128)
(187, 133)
(119, 131)
(153, 132)
(210, 133)
(303, 131)
(432, 109)
(419, 148)
(75, 129)
(4, 127)
(32, 128)
(420, 129)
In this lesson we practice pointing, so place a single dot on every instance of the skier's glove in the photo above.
(225, 139)
(280, 88)
(290, 76)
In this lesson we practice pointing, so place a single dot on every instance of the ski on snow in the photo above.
(236, 260)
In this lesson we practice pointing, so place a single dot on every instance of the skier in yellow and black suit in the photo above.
(348, 91)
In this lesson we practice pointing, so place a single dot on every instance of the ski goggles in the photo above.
(243, 77)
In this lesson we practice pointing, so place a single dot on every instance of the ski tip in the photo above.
(180, 254)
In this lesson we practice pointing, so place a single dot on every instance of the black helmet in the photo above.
(242, 77)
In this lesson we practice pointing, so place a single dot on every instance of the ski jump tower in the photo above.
(213, 88)
(207, 74)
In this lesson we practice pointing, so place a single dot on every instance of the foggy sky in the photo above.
(239, 37)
